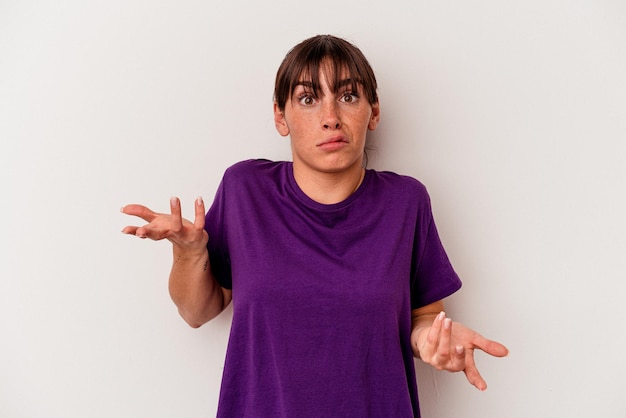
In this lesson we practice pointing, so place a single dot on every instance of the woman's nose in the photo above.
(331, 119)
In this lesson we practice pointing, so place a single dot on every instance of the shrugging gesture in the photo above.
(448, 345)
(193, 288)
(180, 232)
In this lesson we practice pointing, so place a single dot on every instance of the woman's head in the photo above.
(328, 54)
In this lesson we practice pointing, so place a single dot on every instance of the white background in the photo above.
(513, 113)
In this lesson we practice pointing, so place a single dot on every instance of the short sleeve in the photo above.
(432, 275)
(215, 225)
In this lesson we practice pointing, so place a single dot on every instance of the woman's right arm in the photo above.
(194, 290)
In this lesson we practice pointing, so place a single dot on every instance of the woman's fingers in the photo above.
(443, 348)
(472, 373)
(199, 218)
(450, 346)
(457, 358)
(171, 226)
(130, 230)
(428, 350)
(177, 218)
(490, 347)
(437, 346)
(139, 210)
(439, 350)
(155, 229)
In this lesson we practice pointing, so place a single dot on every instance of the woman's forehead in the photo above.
(326, 68)
(334, 75)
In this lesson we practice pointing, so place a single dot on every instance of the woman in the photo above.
(336, 273)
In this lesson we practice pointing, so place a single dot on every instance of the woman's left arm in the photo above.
(448, 345)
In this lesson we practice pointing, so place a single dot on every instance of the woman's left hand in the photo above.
(448, 345)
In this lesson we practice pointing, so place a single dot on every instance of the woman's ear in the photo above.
(279, 121)
(375, 118)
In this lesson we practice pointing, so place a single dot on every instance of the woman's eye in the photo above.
(307, 100)
(349, 97)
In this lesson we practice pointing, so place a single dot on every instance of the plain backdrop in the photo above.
(513, 113)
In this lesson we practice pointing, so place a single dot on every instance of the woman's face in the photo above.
(327, 131)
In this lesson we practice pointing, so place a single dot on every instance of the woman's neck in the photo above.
(328, 187)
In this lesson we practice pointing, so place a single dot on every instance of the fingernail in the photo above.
(441, 315)
(459, 349)
(447, 323)
(174, 201)
(199, 200)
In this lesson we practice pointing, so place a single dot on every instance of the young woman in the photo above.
(336, 272)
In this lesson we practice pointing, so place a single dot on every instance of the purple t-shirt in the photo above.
(322, 294)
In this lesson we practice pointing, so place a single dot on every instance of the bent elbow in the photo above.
(194, 325)
(194, 321)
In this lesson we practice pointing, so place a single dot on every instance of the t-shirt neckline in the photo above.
(306, 200)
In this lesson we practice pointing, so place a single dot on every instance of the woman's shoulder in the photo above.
(256, 172)
(399, 183)
(253, 167)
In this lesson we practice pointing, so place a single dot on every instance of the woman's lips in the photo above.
(333, 144)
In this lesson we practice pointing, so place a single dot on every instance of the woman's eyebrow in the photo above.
(347, 81)
(340, 84)
(304, 84)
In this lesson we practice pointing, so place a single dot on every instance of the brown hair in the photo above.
(307, 59)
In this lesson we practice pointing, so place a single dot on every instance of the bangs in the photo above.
(336, 58)
(335, 68)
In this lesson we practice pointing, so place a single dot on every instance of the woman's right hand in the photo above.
(184, 234)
